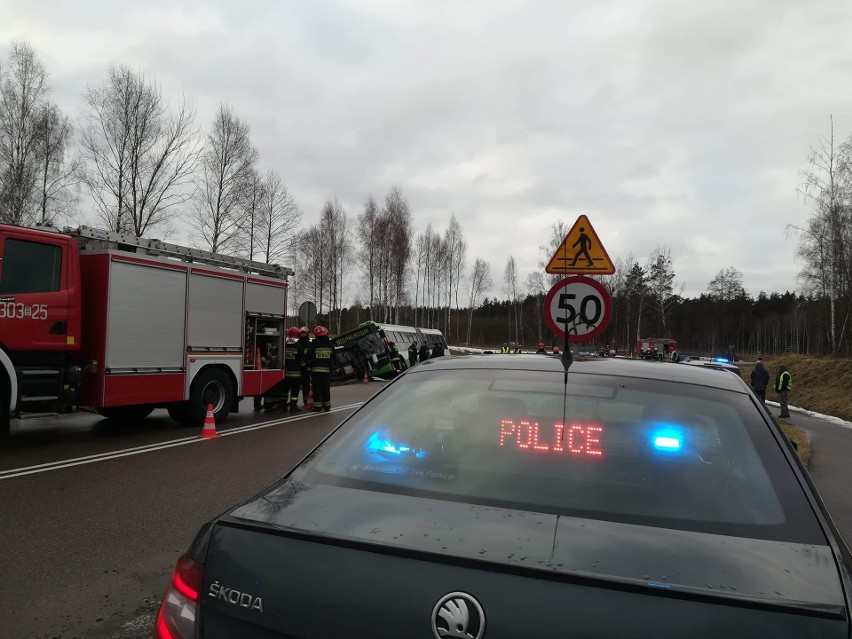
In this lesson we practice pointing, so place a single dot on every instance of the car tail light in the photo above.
(179, 611)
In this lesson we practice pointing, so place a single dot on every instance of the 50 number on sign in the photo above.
(579, 307)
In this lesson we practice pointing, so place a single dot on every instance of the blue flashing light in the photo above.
(723, 360)
(666, 443)
(666, 438)
(380, 443)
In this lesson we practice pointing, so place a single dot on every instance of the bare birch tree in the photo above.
(58, 171)
(23, 94)
(140, 157)
(480, 281)
(825, 243)
(399, 245)
(456, 248)
(227, 166)
(510, 280)
(661, 282)
(368, 254)
(278, 221)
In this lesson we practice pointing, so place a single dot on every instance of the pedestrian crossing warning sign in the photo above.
(581, 252)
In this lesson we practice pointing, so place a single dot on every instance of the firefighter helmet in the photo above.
(293, 332)
(541, 345)
(320, 331)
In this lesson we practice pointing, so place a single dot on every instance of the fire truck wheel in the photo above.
(5, 419)
(180, 413)
(210, 386)
(126, 413)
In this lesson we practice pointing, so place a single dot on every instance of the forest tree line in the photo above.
(142, 163)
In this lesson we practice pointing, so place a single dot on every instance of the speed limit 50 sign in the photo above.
(578, 306)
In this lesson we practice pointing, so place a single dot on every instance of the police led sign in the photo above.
(575, 440)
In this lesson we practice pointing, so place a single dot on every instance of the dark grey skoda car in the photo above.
(486, 498)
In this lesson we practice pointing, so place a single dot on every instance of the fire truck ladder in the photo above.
(91, 239)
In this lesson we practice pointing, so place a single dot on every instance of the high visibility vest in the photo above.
(780, 383)
(504, 350)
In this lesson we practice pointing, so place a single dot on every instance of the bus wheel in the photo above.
(211, 387)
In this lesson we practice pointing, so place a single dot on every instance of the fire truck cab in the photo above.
(661, 348)
(125, 325)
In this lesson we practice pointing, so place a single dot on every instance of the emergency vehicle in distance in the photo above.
(125, 325)
(660, 348)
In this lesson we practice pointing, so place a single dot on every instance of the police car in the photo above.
(500, 496)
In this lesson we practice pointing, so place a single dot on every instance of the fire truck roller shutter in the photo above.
(146, 317)
(271, 300)
(215, 312)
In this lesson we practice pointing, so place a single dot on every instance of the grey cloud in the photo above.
(666, 122)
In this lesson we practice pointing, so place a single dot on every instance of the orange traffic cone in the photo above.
(309, 402)
(258, 361)
(366, 379)
(209, 429)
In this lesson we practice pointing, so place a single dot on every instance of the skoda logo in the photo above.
(458, 616)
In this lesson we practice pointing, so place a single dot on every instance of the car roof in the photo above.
(713, 376)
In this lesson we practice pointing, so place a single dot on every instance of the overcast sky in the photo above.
(672, 122)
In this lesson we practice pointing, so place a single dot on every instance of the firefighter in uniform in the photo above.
(504, 350)
(412, 353)
(303, 346)
(319, 359)
(292, 372)
(396, 359)
(541, 350)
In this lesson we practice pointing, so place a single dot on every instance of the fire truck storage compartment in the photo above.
(215, 312)
(266, 299)
(145, 326)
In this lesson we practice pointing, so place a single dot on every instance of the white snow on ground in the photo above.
(464, 350)
(826, 418)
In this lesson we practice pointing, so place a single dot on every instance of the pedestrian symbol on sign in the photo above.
(585, 243)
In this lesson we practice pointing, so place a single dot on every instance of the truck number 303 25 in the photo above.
(12, 310)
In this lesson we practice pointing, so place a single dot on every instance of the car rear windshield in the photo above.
(623, 449)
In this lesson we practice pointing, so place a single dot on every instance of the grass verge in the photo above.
(800, 437)
(821, 383)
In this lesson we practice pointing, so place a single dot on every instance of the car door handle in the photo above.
(59, 327)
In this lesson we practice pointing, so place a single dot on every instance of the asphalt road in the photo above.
(89, 542)
(829, 466)
(93, 515)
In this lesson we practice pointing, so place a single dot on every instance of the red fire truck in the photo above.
(660, 348)
(124, 325)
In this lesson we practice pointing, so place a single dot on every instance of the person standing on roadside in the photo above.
(759, 381)
(438, 350)
(783, 384)
(424, 352)
(303, 347)
(412, 354)
(319, 359)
